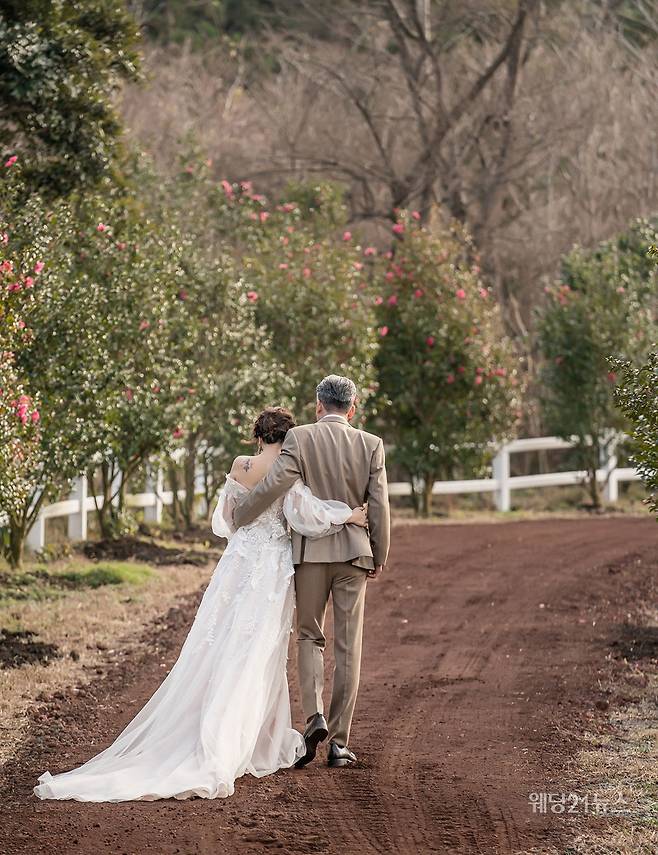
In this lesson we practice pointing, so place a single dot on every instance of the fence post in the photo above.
(155, 485)
(501, 475)
(609, 467)
(77, 522)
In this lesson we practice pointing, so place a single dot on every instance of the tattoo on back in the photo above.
(246, 465)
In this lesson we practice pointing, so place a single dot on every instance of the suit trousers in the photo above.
(346, 584)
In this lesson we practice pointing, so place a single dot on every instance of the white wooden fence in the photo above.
(77, 507)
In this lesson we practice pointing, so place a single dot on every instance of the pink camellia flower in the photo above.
(283, 266)
(252, 296)
(307, 272)
(288, 207)
(383, 331)
(29, 282)
(415, 215)
(478, 380)
(398, 229)
(370, 250)
(177, 433)
(128, 392)
(4, 238)
(612, 377)
(430, 341)
(379, 301)
(258, 197)
(35, 416)
(263, 216)
(461, 369)
(484, 293)
(144, 325)
(500, 372)
(418, 293)
(246, 186)
(388, 254)
(6, 266)
(155, 388)
(450, 378)
(227, 187)
(621, 289)
(479, 370)
(38, 267)
(182, 294)
(389, 275)
(357, 265)
(347, 235)
(21, 325)
(11, 161)
(120, 245)
(460, 294)
(393, 300)
(15, 286)
(101, 227)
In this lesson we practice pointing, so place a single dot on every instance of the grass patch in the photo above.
(105, 573)
(41, 583)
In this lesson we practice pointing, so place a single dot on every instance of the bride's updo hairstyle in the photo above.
(273, 424)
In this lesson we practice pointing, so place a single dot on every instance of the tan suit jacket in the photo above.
(336, 461)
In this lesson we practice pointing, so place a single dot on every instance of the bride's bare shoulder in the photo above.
(242, 464)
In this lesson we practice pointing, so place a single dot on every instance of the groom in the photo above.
(336, 461)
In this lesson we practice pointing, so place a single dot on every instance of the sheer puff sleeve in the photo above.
(223, 524)
(310, 516)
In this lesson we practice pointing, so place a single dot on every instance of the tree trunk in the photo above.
(17, 533)
(594, 492)
(105, 510)
(426, 509)
(189, 473)
(414, 495)
(175, 502)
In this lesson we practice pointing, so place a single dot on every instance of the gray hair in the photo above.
(336, 393)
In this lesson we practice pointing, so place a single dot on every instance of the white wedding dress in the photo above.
(223, 710)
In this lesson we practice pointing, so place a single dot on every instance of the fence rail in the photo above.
(78, 506)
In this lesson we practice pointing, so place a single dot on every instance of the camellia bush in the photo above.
(637, 397)
(449, 376)
(305, 274)
(604, 305)
(37, 456)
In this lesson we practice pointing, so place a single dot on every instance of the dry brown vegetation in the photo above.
(84, 626)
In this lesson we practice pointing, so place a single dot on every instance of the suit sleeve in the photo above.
(379, 513)
(283, 474)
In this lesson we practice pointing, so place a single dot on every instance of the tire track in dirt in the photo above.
(480, 645)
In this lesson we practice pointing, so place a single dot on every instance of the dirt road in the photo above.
(483, 647)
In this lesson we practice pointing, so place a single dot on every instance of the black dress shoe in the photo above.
(316, 732)
(340, 755)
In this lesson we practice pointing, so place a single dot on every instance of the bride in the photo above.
(223, 710)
